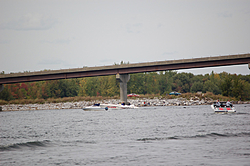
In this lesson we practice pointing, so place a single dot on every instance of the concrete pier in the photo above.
(123, 79)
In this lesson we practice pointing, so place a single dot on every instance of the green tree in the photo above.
(246, 91)
(82, 91)
(169, 80)
(209, 86)
(162, 83)
(197, 86)
(68, 88)
(55, 91)
(6, 93)
(91, 86)
(238, 87)
(107, 86)
(136, 83)
(197, 78)
(182, 82)
(34, 90)
(226, 86)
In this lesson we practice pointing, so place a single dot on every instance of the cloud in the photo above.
(159, 25)
(51, 62)
(58, 41)
(55, 63)
(134, 28)
(112, 61)
(170, 53)
(4, 41)
(30, 22)
(225, 14)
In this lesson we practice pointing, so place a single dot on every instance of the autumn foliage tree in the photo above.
(161, 83)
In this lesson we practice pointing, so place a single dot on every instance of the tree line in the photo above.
(231, 85)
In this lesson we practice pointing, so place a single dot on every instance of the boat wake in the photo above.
(31, 145)
(216, 135)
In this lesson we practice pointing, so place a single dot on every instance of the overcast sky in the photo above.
(61, 34)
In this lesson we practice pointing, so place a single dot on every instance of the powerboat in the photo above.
(95, 107)
(128, 107)
(223, 108)
(110, 106)
(117, 106)
(102, 107)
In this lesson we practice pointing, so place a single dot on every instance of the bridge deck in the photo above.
(126, 68)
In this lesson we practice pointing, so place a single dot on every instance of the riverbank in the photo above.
(140, 102)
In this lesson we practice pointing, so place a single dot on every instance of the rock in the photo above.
(137, 102)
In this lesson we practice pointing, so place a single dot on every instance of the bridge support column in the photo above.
(123, 79)
(249, 66)
(1, 87)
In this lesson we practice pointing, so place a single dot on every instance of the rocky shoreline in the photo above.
(137, 102)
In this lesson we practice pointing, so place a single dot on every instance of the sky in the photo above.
(62, 34)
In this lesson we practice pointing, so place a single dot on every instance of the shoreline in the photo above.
(137, 102)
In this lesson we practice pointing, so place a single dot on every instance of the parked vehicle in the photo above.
(174, 93)
(133, 95)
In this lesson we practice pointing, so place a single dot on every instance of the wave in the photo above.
(217, 135)
(242, 113)
(156, 138)
(243, 134)
(15, 146)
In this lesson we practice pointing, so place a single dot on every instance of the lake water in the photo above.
(192, 135)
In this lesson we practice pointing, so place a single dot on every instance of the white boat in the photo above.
(223, 108)
(110, 106)
(102, 107)
(128, 107)
(118, 106)
(95, 107)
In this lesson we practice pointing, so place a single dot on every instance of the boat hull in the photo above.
(102, 107)
(95, 108)
(223, 109)
(128, 107)
(118, 106)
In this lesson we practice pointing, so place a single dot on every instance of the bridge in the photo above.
(122, 71)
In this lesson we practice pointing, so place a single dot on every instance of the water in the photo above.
(191, 135)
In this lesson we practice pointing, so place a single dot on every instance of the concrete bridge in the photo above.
(122, 71)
